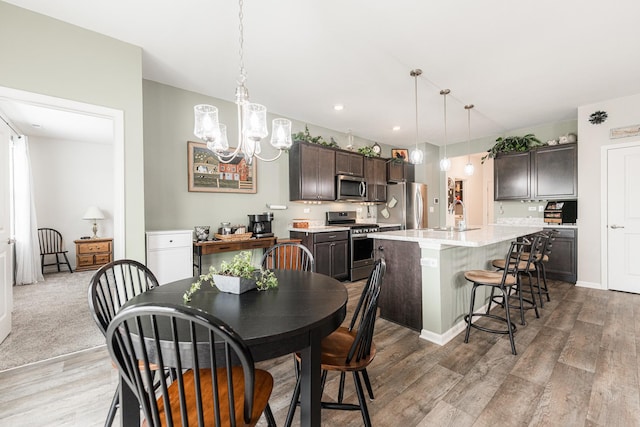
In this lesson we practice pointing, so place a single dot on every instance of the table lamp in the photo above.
(94, 214)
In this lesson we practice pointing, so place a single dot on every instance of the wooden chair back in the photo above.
(215, 380)
(364, 316)
(50, 241)
(113, 285)
(288, 256)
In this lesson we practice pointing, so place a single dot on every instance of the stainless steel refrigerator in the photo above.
(406, 205)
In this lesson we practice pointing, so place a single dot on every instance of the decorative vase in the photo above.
(233, 284)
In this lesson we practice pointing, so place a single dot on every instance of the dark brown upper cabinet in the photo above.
(375, 174)
(311, 172)
(349, 164)
(400, 171)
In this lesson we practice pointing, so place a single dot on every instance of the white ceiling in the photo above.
(522, 63)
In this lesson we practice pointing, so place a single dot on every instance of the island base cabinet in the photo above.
(401, 293)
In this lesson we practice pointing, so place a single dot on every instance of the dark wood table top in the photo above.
(273, 322)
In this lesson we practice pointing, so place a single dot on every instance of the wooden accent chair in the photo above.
(110, 287)
(51, 243)
(216, 382)
(350, 349)
(288, 256)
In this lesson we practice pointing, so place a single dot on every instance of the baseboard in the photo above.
(590, 285)
(442, 339)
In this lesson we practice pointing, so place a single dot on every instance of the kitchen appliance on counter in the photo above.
(406, 205)
(260, 224)
(361, 258)
(561, 212)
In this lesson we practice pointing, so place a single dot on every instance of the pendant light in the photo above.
(468, 168)
(417, 156)
(252, 122)
(445, 163)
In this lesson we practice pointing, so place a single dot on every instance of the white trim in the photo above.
(604, 214)
(117, 116)
(442, 339)
(590, 285)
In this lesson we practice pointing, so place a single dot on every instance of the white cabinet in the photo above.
(170, 254)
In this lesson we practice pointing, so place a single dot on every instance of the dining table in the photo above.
(294, 317)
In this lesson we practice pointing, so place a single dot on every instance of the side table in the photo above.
(91, 254)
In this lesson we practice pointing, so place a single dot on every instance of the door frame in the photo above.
(604, 212)
(117, 118)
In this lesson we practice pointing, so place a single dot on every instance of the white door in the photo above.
(6, 290)
(623, 219)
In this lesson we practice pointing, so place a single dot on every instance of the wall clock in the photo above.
(598, 117)
(376, 148)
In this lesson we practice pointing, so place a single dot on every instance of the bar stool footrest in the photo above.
(491, 316)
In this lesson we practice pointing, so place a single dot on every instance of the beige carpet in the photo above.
(50, 319)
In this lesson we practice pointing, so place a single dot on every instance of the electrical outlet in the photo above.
(430, 209)
(532, 208)
(358, 209)
(306, 210)
(540, 208)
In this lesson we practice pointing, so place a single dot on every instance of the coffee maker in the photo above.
(260, 224)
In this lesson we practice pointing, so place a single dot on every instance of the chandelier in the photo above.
(252, 122)
(417, 156)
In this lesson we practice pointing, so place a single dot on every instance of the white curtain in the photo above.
(28, 268)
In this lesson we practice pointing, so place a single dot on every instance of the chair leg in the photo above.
(367, 384)
(361, 400)
(544, 278)
(111, 415)
(469, 317)
(509, 329)
(58, 262)
(42, 263)
(271, 421)
(293, 404)
(67, 262)
(520, 299)
(341, 387)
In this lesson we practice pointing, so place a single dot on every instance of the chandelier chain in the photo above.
(416, 92)
(243, 72)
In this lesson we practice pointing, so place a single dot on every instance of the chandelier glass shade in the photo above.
(252, 122)
(445, 163)
(416, 156)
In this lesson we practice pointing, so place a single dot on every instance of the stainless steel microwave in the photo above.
(351, 188)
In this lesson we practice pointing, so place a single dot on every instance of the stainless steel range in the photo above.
(360, 246)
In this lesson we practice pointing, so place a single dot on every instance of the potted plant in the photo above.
(512, 144)
(236, 277)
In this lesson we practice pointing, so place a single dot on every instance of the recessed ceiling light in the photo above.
(396, 128)
(338, 107)
(36, 125)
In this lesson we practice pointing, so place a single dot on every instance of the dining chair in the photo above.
(110, 287)
(503, 281)
(288, 256)
(350, 349)
(51, 243)
(216, 381)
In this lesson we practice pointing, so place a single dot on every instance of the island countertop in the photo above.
(473, 237)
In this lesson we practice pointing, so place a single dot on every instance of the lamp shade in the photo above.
(93, 213)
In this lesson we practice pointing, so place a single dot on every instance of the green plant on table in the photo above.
(240, 266)
(511, 144)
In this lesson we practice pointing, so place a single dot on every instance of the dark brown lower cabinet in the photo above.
(330, 251)
(401, 292)
(563, 259)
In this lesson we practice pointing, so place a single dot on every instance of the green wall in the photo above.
(46, 56)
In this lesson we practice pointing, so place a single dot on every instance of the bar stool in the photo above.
(501, 280)
(540, 262)
(525, 267)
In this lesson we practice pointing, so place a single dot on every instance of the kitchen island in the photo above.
(424, 286)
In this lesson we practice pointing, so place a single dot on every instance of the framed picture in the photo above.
(400, 153)
(207, 174)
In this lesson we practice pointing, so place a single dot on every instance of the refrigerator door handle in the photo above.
(418, 209)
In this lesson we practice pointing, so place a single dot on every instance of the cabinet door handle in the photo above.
(616, 226)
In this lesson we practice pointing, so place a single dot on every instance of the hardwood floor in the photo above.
(577, 365)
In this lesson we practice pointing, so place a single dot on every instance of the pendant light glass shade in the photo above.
(445, 163)
(252, 122)
(469, 168)
(416, 156)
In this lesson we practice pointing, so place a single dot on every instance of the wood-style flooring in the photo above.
(577, 365)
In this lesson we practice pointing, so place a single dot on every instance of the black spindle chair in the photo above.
(216, 382)
(51, 243)
(288, 256)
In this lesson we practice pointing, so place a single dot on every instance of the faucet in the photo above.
(462, 225)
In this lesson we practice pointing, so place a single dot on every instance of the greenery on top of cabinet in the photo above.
(512, 144)
(306, 137)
